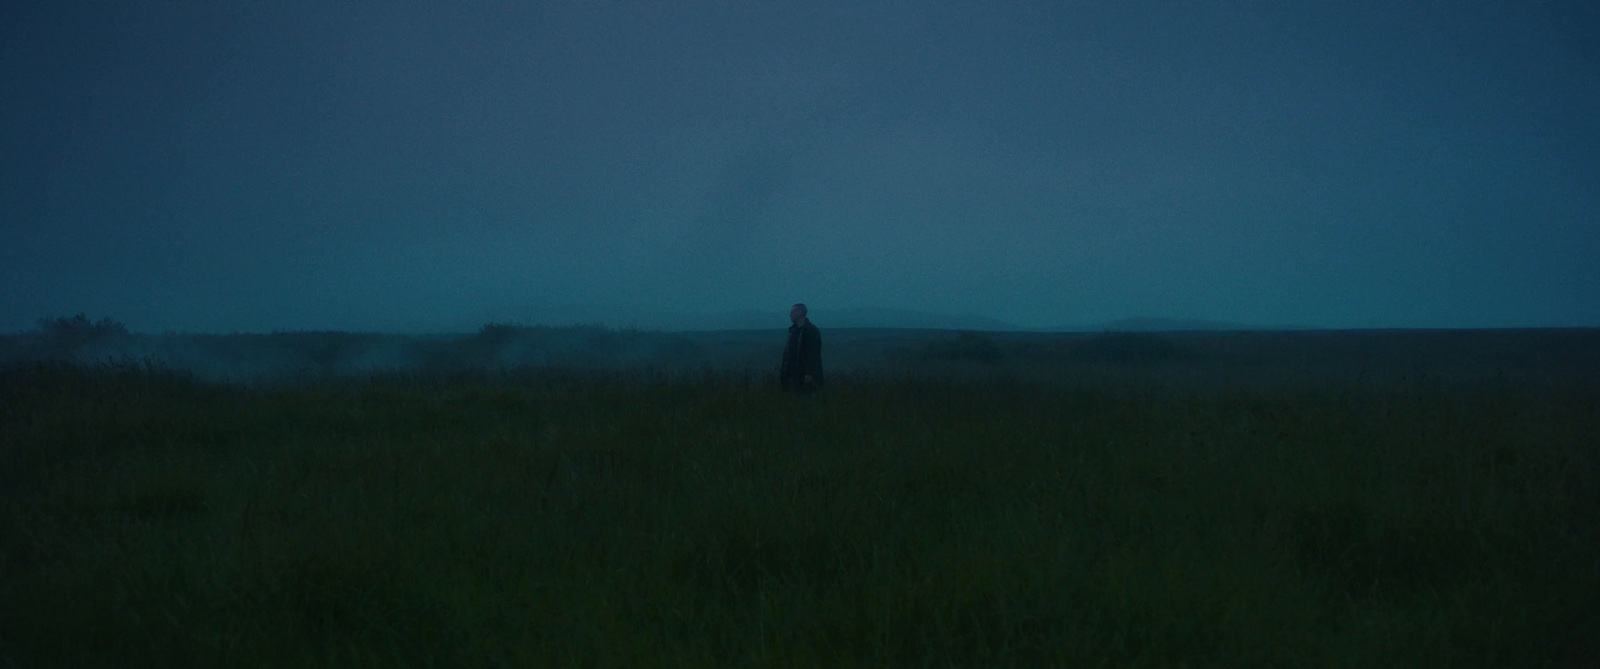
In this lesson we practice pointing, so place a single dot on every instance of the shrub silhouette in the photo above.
(68, 335)
(80, 326)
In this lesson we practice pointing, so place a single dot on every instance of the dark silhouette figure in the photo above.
(801, 371)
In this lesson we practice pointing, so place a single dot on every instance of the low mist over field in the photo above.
(1142, 345)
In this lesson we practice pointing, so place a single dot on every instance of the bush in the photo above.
(80, 326)
(65, 335)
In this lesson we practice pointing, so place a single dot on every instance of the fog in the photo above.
(1133, 356)
(414, 168)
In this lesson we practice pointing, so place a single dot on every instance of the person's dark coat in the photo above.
(802, 357)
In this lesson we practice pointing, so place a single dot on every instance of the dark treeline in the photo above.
(317, 353)
(1212, 356)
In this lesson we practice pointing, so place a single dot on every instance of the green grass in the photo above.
(549, 518)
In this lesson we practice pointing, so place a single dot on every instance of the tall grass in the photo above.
(550, 518)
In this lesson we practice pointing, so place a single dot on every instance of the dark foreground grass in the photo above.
(547, 518)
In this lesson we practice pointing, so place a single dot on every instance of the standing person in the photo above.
(801, 371)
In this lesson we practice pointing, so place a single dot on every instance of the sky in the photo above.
(234, 166)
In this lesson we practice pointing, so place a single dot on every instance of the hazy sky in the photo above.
(252, 166)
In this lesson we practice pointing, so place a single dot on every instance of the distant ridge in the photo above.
(849, 317)
(907, 319)
(738, 319)
(1145, 324)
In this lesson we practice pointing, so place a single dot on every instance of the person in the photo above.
(801, 371)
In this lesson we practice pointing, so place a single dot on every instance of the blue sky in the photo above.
(406, 166)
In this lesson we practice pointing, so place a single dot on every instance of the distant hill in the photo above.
(906, 319)
(1143, 324)
(852, 317)
(738, 319)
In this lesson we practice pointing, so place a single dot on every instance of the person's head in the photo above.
(797, 313)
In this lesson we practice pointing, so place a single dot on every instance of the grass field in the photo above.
(1027, 513)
